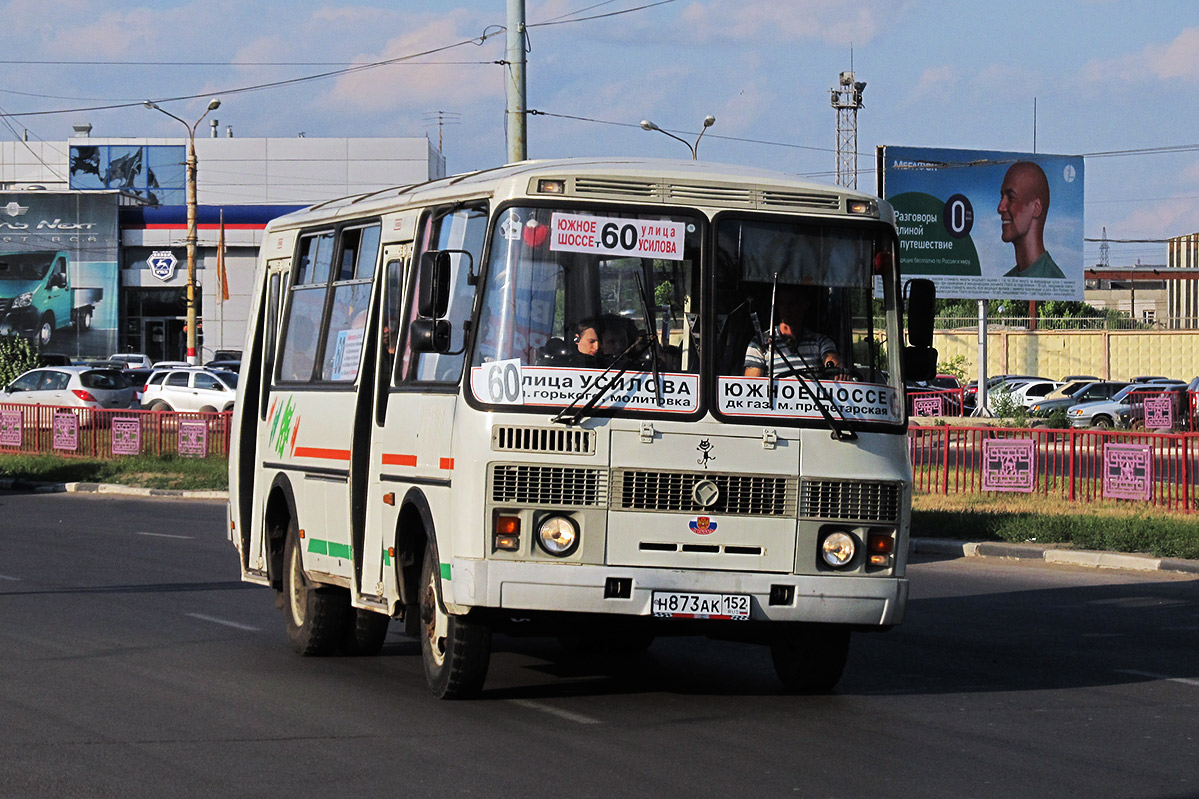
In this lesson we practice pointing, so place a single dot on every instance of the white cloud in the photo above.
(1177, 59)
(758, 22)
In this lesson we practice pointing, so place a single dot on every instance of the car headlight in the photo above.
(838, 549)
(23, 300)
(558, 535)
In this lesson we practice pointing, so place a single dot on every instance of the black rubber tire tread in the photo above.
(811, 660)
(321, 630)
(463, 669)
(365, 632)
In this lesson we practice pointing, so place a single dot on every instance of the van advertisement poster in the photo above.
(58, 271)
(984, 224)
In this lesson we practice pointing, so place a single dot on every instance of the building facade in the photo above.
(111, 215)
(1183, 253)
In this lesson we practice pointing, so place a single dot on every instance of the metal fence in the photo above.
(1075, 465)
(87, 432)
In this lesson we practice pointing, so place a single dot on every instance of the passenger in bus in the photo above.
(587, 341)
(796, 347)
(616, 334)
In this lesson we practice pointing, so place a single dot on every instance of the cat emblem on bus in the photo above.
(705, 450)
(702, 526)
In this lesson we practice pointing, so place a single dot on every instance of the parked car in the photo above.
(136, 360)
(137, 379)
(1030, 391)
(70, 387)
(190, 389)
(170, 364)
(228, 366)
(1096, 391)
(970, 392)
(1070, 385)
(1118, 411)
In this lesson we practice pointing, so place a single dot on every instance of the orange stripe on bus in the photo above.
(325, 454)
(390, 459)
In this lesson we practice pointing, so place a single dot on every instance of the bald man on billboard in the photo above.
(1023, 207)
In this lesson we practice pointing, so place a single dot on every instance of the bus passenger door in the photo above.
(415, 420)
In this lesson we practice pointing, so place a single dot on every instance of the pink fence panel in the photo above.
(30, 429)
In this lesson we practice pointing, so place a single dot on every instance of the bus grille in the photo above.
(742, 495)
(524, 484)
(514, 438)
(850, 500)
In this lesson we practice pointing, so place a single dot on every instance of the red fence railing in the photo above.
(1076, 465)
(88, 432)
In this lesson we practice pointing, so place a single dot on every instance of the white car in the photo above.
(71, 387)
(190, 389)
(1032, 391)
(133, 360)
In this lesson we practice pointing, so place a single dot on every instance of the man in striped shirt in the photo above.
(796, 348)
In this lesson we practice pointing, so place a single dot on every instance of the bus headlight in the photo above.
(558, 535)
(838, 549)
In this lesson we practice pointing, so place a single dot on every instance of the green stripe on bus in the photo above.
(331, 548)
(445, 571)
(386, 558)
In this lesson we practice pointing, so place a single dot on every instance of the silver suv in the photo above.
(193, 389)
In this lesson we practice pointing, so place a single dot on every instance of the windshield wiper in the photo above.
(652, 337)
(601, 388)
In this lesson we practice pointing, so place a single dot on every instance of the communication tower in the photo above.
(847, 99)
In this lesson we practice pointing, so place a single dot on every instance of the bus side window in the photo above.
(460, 230)
(345, 333)
(305, 307)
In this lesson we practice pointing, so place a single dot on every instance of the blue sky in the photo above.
(1105, 76)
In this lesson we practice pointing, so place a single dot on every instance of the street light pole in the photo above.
(709, 121)
(213, 105)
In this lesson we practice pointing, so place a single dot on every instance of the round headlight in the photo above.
(558, 535)
(837, 549)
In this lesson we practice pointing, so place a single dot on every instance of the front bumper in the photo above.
(825, 598)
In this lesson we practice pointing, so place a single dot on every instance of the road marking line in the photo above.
(215, 620)
(165, 535)
(1166, 677)
(6, 577)
(578, 718)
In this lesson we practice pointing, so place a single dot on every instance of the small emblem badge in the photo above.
(705, 493)
(702, 526)
(705, 450)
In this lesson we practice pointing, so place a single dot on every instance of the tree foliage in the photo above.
(17, 355)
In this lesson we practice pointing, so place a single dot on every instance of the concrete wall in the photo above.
(1109, 354)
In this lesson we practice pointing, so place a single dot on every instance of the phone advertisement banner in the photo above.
(986, 224)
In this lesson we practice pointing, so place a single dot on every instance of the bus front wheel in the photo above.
(456, 651)
(811, 660)
(315, 616)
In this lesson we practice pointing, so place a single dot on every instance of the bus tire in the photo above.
(811, 660)
(365, 632)
(315, 616)
(456, 651)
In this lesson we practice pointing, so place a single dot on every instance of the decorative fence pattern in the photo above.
(1076, 465)
(86, 432)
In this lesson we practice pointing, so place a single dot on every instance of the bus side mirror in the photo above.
(919, 357)
(433, 284)
(429, 335)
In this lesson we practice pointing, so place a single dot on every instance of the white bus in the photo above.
(600, 399)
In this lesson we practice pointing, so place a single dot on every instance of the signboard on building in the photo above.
(58, 270)
(985, 224)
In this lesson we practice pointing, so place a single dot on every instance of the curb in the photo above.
(107, 488)
(1048, 554)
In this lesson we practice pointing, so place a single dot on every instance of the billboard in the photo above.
(984, 224)
(58, 271)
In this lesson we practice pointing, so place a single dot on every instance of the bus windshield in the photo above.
(577, 300)
(795, 303)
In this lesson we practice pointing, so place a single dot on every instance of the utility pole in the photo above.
(517, 139)
(847, 99)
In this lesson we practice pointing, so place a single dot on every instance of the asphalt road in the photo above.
(135, 664)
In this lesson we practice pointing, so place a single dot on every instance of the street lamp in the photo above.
(213, 105)
(709, 121)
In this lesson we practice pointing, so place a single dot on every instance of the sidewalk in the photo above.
(1050, 554)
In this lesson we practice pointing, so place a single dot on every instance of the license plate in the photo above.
(678, 605)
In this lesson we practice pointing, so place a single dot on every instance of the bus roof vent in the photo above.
(614, 186)
(773, 198)
(560, 440)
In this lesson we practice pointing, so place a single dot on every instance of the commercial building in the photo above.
(111, 215)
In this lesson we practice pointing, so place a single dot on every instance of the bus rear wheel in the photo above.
(811, 660)
(315, 616)
(456, 651)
